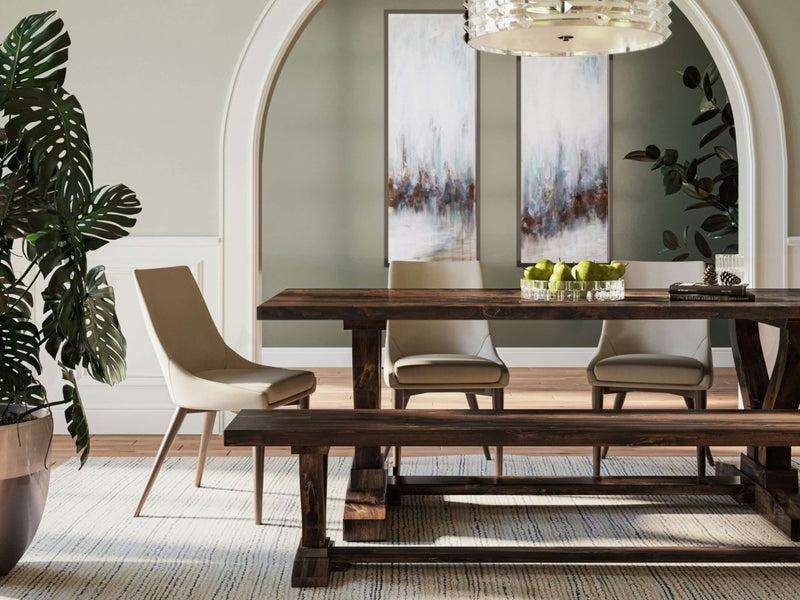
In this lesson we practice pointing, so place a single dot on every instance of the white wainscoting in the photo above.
(141, 403)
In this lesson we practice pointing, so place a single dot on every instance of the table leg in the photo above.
(312, 562)
(769, 468)
(365, 499)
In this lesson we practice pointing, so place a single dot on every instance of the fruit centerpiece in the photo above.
(586, 280)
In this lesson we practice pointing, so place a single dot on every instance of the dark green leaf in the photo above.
(670, 157)
(702, 245)
(33, 54)
(54, 141)
(639, 155)
(729, 192)
(689, 190)
(658, 164)
(723, 153)
(704, 158)
(670, 240)
(712, 73)
(715, 223)
(105, 344)
(652, 151)
(19, 351)
(717, 131)
(691, 172)
(23, 209)
(706, 116)
(707, 89)
(706, 184)
(681, 257)
(727, 114)
(672, 182)
(725, 231)
(77, 425)
(732, 131)
(729, 168)
(691, 77)
(108, 215)
(699, 205)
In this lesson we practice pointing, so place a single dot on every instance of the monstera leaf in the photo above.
(52, 139)
(14, 293)
(19, 351)
(77, 425)
(33, 54)
(23, 209)
(105, 345)
(108, 215)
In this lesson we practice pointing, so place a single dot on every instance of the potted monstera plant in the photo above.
(51, 218)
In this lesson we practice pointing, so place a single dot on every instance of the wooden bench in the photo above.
(311, 433)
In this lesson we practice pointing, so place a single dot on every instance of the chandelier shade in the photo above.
(565, 28)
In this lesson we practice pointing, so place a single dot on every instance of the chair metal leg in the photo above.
(703, 452)
(498, 400)
(400, 402)
(597, 404)
(472, 401)
(258, 480)
(169, 437)
(205, 437)
(619, 401)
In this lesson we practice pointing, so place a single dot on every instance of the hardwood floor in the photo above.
(529, 388)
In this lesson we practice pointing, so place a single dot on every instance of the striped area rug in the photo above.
(201, 543)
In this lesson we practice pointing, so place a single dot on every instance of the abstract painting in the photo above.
(431, 138)
(563, 159)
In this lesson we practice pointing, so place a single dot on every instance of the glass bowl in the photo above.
(572, 290)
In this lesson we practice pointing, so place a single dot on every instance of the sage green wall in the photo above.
(323, 165)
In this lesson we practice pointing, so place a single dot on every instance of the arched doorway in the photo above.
(723, 27)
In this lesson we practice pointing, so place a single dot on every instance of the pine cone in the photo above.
(710, 275)
(728, 278)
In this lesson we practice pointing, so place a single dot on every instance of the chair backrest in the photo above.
(178, 320)
(406, 338)
(680, 337)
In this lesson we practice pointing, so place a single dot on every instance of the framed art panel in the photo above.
(431, 96)
(563, 204)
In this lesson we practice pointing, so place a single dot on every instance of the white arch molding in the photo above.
(723, 26)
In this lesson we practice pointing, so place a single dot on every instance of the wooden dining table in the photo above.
(364, 313)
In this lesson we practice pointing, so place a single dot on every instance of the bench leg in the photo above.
(312, 563)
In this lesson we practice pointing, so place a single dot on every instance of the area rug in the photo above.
(201, 543)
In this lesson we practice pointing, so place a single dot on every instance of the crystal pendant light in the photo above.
(565, 27)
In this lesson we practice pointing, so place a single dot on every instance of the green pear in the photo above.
(616, 270)
(545, 266)
(535, 274)
(586, 270)
(561, 272)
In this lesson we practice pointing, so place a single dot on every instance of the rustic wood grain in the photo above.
(515, 427)
(381, 304)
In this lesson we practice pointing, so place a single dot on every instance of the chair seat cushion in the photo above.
(260, 387)
(666, 369)
(440, 369)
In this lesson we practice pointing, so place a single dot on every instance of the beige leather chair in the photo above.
(670, 356)
(202, 373)
(442, 356)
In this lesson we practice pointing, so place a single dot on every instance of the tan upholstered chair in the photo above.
(444, 356)
(202, 373)
(670, 356)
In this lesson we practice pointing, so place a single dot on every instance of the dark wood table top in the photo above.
(379, 304)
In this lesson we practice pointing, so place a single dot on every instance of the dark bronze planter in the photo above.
(24, 481)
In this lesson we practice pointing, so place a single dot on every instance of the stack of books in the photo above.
(710, 293)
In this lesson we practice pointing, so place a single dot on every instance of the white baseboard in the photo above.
(310, 358)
